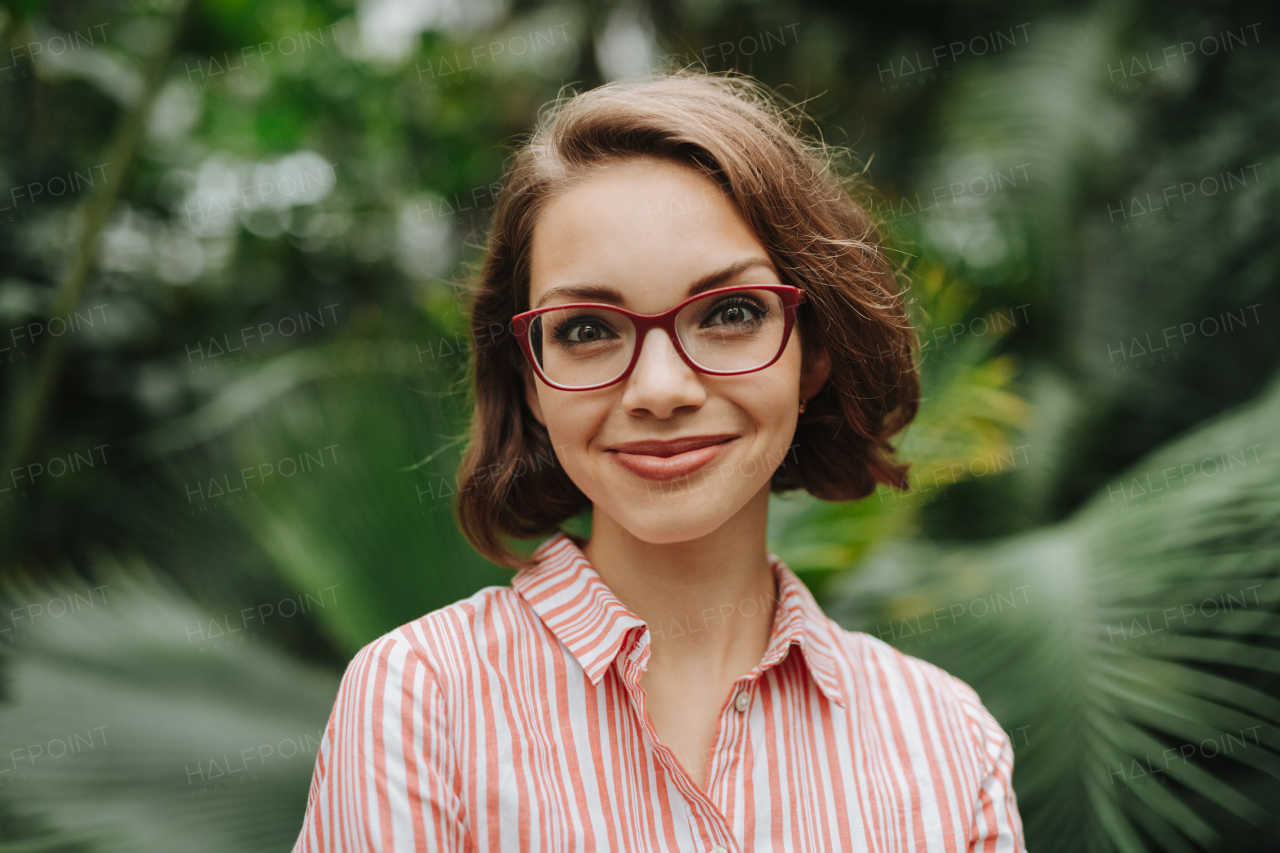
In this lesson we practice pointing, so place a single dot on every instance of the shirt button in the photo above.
(719, 850)
(741, 702)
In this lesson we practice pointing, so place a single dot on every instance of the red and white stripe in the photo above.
(514, 721)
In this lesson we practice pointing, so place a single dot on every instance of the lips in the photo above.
(668, 460)
(671, 447)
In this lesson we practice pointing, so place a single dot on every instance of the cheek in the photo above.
(779, 399)
(572, 425)
(570, 419)
(784, 377)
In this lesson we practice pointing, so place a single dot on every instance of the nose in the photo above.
(661, 382)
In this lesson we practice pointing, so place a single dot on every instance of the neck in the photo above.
(708, 602)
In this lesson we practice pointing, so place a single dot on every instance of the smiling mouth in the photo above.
(660, 463)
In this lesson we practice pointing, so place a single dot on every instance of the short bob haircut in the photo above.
(819, 238)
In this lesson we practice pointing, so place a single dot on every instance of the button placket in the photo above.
(695, 797)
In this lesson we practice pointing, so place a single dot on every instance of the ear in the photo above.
(531, 396)
(815, 374)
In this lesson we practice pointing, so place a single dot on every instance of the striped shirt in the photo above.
(514, 720)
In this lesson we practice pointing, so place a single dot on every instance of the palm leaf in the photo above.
(1123, 648)
(361, 508)
(969, 416)
(127, 727)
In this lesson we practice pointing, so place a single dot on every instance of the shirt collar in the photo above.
(577, 606)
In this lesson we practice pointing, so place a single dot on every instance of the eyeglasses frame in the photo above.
(791, 296)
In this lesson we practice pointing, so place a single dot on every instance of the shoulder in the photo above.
(443, 646)
(926, 688)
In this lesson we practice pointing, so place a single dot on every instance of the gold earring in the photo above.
(802, 402)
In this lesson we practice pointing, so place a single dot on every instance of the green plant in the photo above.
(1122, 647)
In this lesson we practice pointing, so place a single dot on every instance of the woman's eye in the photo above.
(735, 313)
(582, 331)
(585, 333)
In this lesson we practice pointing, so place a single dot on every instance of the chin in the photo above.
(677, 519)
(666, 534)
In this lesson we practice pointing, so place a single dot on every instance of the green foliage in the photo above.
(1123, 646)
(322, 445)
(966, 428)
(1053, 397)
(136, 720)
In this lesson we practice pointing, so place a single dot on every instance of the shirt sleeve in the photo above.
(385, 777)
(997, 826)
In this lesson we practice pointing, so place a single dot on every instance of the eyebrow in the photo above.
(602, 293)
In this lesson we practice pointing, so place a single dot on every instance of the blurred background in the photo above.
(233, 378)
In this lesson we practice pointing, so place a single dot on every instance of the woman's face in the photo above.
(650, 229)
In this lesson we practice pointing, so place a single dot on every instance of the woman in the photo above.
(681, 311)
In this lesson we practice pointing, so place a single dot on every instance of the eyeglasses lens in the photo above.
(584, 346)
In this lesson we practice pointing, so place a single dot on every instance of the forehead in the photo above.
(645, 227)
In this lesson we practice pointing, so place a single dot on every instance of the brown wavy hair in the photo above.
(787, 188)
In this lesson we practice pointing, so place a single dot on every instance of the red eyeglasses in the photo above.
(583, 346)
